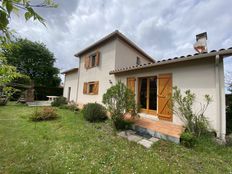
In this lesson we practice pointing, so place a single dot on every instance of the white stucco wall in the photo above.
(127, 56)
(99, 73)
(197, 75)
(71, 80)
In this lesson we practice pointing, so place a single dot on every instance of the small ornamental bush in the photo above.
(94, 112)
(59, 101)
(119, 100)
(194, 120)
(71, 106)
(229, 140)
(47, 113)
(188, 139)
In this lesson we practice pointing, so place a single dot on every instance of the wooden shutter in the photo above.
(85, 88)
(97, 58)
(96, 86)
(87, 62)
(131, 84)
(164, 96)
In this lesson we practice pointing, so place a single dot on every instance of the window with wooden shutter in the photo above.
(85, 88)
(96, 86)
(131, 84)
(164, 96)
(92, 60)
(86, 62)
(91, 88)
(97, 58)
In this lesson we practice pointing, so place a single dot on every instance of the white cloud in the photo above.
(164, 28)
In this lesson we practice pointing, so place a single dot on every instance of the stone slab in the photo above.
(145, 143)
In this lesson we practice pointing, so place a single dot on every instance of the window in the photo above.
(138, 61)
(91, 88)
(92, 60)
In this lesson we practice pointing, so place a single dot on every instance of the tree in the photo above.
(228, 80)
(34, 60)
(9, 6)
(7, 74)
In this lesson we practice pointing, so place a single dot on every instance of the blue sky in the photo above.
(163, 29)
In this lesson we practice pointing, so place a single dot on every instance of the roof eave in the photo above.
(221, 52)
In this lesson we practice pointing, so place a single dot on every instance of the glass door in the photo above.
(148, 95)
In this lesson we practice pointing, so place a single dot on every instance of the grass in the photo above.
(72, 145)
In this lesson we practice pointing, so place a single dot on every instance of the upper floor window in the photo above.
(138, 61)
(92, 60)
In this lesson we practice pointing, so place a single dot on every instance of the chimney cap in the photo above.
(201, 35)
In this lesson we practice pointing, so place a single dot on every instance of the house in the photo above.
(70, 84)
(115, 58)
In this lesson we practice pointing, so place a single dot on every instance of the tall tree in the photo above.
(34, 60)
(9, 6)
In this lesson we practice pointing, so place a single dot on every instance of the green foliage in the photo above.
(119, 100)
(47, 113)
(8, 73)
(94, 112)
(70, 106)
(9, 6)
(229, 140)
(188, 139)
(122, 124)
(34, 60)
(229, 115)
(195, 121)
(59, 101)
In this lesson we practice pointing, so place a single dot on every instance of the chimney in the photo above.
(201, 43)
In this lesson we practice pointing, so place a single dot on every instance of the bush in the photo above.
(71, 106)
(59, 101)
(47, 113)
(188, 139)
(229, 140)
(119, 100)
(229, 115)
(121, 124)
(195, 121)
(94, 112)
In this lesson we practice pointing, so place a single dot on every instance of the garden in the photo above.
(64, 139)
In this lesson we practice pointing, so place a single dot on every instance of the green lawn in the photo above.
(72, 145)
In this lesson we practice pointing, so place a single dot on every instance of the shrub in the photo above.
(229, 140)
(121, 124)
(94, 112)
(229, 116)
(119, 100)
(188, 139)
(195, 121)
(71, 106)
(47, 113)
(59, 101)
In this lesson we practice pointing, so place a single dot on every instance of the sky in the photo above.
(164, 29)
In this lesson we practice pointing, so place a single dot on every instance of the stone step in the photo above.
(145, 141)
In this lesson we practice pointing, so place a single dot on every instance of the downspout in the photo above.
(219, 77)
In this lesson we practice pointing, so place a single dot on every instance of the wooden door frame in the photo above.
(147, 110)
